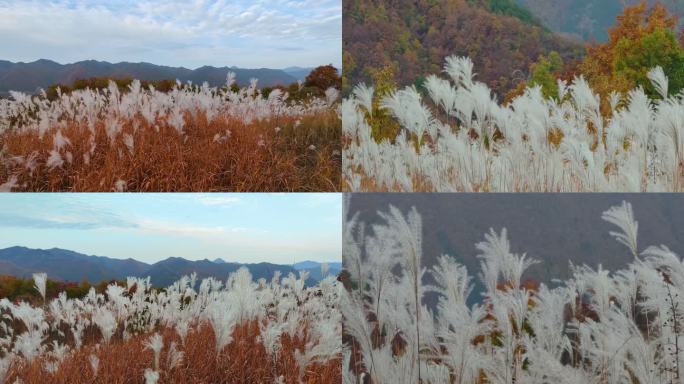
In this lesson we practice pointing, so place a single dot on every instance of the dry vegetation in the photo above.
(188, 139)
(458, 138)
(246, 332)
(409, 322)
(244, 360)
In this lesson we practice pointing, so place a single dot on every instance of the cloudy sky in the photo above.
(189, 33)
(252, 227)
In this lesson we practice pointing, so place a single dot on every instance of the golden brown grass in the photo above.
(304, 155)
(244, 360)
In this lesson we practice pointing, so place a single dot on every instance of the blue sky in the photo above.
(190, 33)
(251, 227)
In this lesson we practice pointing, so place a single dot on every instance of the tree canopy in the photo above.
(324, 77)
(642, 39)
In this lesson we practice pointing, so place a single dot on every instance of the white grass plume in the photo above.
(463, 140)
(622, 216)
(40, 283)
(599, 326)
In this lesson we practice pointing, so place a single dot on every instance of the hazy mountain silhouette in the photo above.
(65, 265)
(298, 73)
(587, 19)
(29, 77)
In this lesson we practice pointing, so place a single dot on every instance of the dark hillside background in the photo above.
(553, 228)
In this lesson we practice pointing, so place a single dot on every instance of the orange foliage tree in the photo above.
(324, 77)
(642, 39)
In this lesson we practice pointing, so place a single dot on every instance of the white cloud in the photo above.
(174, 32)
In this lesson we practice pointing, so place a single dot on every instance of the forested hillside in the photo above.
(397, 42)
(400, 41)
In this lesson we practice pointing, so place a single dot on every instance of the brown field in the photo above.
(244, 360)
(225, 154)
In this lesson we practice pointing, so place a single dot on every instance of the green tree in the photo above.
(642, 39)
(382, 124)
(348, 66)
(635, 58)
(545, 72)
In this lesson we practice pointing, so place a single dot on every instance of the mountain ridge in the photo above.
(29, 77)
(67, 265)
(299, 73)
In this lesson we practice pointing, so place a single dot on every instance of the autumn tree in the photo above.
(659, 48)
(324, 77)
(545, 72)
(641, 40)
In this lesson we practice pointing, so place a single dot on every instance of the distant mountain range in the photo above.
(29, 77)
(65, 265)
(299, 73)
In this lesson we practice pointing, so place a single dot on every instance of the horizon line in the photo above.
(170, 257)
(166, 65)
